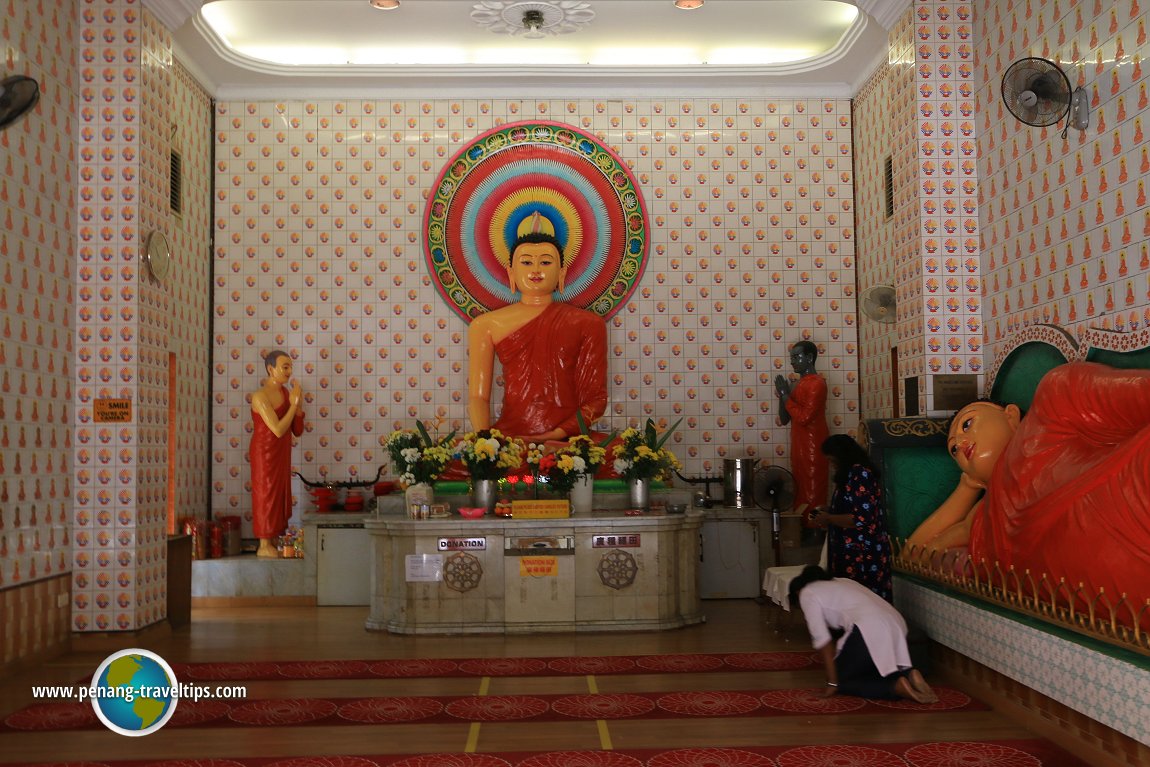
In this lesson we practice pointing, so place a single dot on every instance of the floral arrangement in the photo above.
(416, 456)
(489, 454)
(580, 457)
(641, 455)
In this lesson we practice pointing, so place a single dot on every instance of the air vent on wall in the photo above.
(888, 185)
(176, 183)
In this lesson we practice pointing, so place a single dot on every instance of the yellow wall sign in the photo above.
(538, 567)
(547, 509)
(112, 410)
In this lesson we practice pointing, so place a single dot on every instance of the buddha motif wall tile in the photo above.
(320, 208)
(138, 340)
(1065, 221)
(37, 191)
(317, 212)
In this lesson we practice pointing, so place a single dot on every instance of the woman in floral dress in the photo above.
(858, 545)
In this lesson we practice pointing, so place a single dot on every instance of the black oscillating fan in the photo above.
(1038, 93)
(18, 94)
(773, 489)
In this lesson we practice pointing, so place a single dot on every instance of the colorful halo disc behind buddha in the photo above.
(504, 176)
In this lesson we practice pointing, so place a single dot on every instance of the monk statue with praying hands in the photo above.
(553, 354)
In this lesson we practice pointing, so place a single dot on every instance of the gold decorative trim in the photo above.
(919, 427)
(1120, 622)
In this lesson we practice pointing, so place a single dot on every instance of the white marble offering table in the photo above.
(601, 571)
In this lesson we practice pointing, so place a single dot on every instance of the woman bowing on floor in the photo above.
(870, 659)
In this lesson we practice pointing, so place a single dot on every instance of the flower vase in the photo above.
(485, 493)
(417, 495)
(582, 494)
(640, 492)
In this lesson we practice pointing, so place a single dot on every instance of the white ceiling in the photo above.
(427, 48)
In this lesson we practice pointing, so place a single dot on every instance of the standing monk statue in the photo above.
(276, 416)
(804, 406)
(554, 355)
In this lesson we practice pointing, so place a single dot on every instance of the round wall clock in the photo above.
(157, 254)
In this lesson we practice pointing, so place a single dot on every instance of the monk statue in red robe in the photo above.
(553, 354)
(804, 407)
(276, 416)
(1063, 491)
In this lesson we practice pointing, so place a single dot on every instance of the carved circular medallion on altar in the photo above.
(505, 175)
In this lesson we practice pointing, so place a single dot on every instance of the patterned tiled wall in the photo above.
(190, 289)
(318, 250)
(130, 328)
(949, 267)
(1066, 225)
(929, 249)
(37, 188)
(885, 122)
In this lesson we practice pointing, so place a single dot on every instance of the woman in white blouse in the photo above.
(870, 659)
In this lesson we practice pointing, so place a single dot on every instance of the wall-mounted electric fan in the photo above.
(18, 94)
(878, 303)
(1038, 93)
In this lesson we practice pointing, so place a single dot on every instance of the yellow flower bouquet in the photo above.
(641, 455)
(580, 457)
(489, 454)
(416, 456)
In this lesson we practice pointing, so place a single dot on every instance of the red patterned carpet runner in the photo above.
(1011, 753)
(297, 712)
(499, 667)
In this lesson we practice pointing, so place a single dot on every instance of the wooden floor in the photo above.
(308, 633)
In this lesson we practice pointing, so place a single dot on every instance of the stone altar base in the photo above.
(600, 571)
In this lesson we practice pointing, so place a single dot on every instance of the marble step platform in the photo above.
(248, 577)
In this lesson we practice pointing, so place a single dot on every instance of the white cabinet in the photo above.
(343, 566)
(730, 559)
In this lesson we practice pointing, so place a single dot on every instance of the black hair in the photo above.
(810, 574)
(535, 237)
(271, 357)
(846, 453)
(806, 347)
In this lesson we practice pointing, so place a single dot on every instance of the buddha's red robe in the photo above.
(553, 367)
(1070, 495)
(270, 459)
(807, 405)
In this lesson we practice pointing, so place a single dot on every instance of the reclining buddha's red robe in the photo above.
(1070, 496)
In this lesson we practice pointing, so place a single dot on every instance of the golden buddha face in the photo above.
(535, 269)
(978, 436)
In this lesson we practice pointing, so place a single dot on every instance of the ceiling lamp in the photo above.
(532, 19)
(688, 5)
(385, 5)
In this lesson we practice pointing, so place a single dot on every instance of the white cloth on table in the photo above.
(846, 604)
(777, 580)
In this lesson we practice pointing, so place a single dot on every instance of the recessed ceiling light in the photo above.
(385, 5)
(688, 5)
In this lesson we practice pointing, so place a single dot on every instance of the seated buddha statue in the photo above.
(553, 354)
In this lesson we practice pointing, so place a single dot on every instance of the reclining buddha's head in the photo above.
(978, 436)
